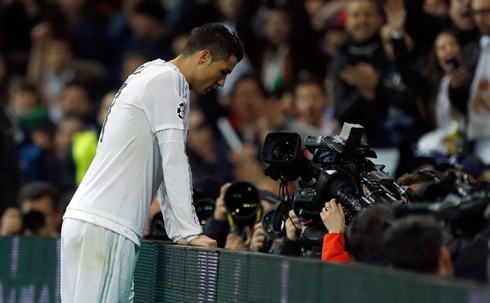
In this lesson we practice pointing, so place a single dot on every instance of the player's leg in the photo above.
(121, 268)
(85, 257)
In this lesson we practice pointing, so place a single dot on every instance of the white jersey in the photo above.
(142, 149)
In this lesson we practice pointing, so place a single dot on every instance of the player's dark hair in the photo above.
(217, 39)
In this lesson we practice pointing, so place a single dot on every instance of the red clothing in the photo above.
(334, 248)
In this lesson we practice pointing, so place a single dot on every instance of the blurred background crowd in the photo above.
(414, 73)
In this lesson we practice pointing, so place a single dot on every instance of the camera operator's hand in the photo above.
(333, 217)
(11, 222)
(203, 241)
(258, 238)
(220, 211)
(293, 231)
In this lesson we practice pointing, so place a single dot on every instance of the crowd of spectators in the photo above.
(414, 73)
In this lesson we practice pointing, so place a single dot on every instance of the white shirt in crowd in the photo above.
(142, 149)
(479, 103)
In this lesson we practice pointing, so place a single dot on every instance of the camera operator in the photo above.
(38, 214)
(416, 243)
(364, 234)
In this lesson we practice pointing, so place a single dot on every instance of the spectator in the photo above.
(131, 62)
(26, 106)
(432, 85)
(472, 97)
(424, 25)
(149, 33)
(314, 108)
(52, 66)
(75, 101)
(363, 87)
(287, 46)
(207, 154)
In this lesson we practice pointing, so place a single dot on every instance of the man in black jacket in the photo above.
(365, 86)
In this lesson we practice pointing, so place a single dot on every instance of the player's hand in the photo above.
(294, 227)
(333, 217)
(11, 222)
(220, 211)
(181, 242)
(203, 241)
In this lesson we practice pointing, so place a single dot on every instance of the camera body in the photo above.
(454, 199)
(338, 169)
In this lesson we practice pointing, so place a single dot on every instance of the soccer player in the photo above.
(141, 150)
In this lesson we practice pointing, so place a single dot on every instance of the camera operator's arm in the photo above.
(292, 245)
(334, 242)
(217, 226)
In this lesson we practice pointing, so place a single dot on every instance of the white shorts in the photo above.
(97, 264)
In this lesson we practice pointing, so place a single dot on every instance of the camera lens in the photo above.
(33, 221)
(284, 150)
(204, 210)
(242, 200)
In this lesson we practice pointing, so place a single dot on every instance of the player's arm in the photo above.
(163, 97)
(177, 207)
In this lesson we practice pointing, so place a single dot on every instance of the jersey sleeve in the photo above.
(177, 201)
(163, 101)
(168, 216)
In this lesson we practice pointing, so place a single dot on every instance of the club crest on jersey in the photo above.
(181, 110)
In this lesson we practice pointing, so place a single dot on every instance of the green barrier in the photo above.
(29, 272)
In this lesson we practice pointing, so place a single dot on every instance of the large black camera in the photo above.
(339, 169)
(33, 222)
(242, 200)
(203, 205)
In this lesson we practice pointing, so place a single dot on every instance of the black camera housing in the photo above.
(339, 169)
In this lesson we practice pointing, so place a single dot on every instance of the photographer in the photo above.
(235, 230)
(217, 225)
(416, 243)
(38, 214)
(364, 234)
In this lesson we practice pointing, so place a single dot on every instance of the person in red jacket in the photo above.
(334, 242)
